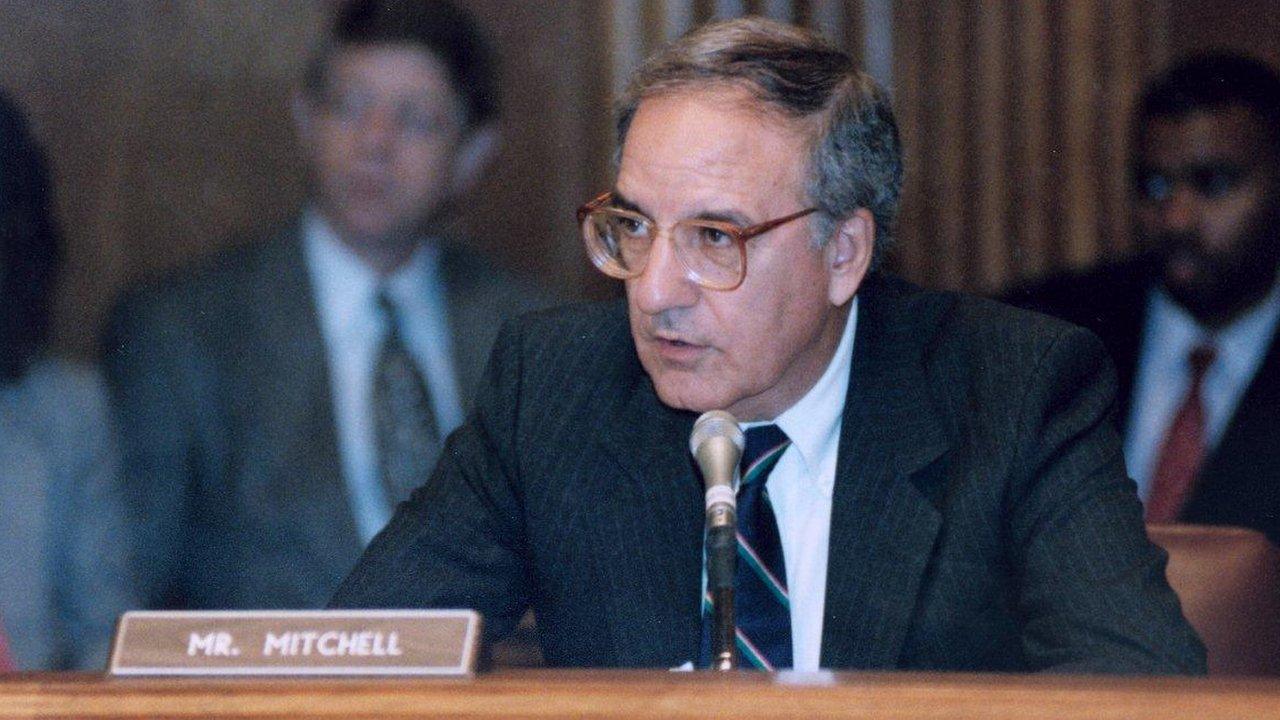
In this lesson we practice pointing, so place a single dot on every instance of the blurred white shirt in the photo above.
(353, 330)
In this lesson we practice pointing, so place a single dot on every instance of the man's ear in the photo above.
(848, 255)
(478, 148)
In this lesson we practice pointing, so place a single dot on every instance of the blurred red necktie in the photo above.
(1183, 449)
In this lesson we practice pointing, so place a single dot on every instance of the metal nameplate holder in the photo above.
(296, 642)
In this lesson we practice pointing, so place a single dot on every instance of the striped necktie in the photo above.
(762, 607)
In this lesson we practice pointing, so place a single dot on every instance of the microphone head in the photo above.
(715, 423)
(716, 442)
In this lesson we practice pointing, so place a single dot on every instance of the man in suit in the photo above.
(1191, 322)
(277, 402)
(938, 489)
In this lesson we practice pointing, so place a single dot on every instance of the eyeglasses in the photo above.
(1210, 181)
(713, 253)
(409, 119)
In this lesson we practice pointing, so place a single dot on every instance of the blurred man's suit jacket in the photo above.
(232, 468)
(1239, 483)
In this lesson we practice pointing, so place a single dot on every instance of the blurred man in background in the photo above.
(1191, 322)
(278, 402)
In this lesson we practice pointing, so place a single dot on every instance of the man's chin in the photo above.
(1209, 305)
(681, 396)
(369, 232)
(377, 236)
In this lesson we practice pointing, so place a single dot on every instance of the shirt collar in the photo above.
(1237, 344)
(1244, 341)
(813, 423)
(345, 285)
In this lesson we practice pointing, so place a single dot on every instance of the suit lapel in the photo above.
(883, 521)
(655, 514)
(883, 524)
(1240, 482)
(291, 456)
(465, 310)
(1122, 331)
(1124, 344)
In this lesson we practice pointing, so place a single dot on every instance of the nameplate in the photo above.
(293, 642)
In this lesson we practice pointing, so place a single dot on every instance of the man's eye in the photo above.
(1215, 182)
(348, 106)
(419, 122)
(1154, 186)
(714, 237)
(629, 225)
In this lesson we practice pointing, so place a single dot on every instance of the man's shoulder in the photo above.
(600, 327)
(958, 336)
(222, 279)
(1110, 299)
(65, 401)
(578, 343)
(940, 317)
(1082, 294)
(475, 279)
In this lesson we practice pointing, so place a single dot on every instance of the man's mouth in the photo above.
(368, 184)
(1183, 267)
(677, 350)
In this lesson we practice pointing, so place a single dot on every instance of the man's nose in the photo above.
(1180, 212)
(378, 130)
(664, 284)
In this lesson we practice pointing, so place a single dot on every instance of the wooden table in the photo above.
(642, 694)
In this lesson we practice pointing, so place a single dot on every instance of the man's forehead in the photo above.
(404, 64)
(713, 139)
(685, 115)
(1231, 134)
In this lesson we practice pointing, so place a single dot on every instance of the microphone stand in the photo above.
(722, 560)
(716, 442)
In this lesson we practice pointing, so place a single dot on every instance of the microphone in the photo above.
(716, 442)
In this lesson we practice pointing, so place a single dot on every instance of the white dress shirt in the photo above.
(800, 489)
(1163, 375)
(353, 330)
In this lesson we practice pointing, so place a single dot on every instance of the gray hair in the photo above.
(855, 159)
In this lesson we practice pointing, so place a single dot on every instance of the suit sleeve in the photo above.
(459, 539)
(1093, 595)
(151, 360)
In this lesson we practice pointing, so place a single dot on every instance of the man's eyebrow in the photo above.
(621, 202)
(1210, 165)
(727, 216)
(1216, 165)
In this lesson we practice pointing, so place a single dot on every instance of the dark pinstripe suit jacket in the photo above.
(982, 518)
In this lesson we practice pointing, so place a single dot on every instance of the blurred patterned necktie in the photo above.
(407, 436)
(1183, 449)
(762, 607)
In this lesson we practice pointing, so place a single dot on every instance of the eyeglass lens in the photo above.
(623, 240)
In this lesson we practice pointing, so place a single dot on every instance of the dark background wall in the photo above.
(1249, 25)
(167, 123)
